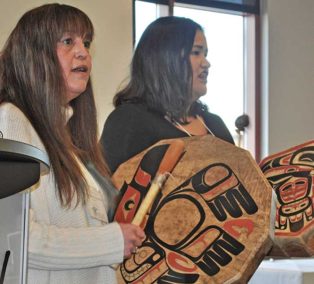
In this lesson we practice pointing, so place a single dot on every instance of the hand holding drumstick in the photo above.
(133, 238)
(134, 235)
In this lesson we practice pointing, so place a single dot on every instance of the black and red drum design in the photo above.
(291, 175)
(211, 223)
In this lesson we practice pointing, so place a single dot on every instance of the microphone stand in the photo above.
(241, 122)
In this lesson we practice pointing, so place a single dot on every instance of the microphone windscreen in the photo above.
(242, 121)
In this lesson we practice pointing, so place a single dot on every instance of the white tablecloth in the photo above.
(285, 271)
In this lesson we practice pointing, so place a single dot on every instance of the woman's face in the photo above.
(76, 63)
(200, 65)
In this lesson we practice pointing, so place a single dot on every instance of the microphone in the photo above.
(242, 121)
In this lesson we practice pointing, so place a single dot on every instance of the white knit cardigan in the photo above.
(66, 246)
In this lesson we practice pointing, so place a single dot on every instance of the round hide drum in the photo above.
(291, 174)
(211, 223)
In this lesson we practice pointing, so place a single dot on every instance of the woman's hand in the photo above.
(133, 237)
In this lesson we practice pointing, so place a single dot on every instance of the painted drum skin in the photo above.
(211, 223)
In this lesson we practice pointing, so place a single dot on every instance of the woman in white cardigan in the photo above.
(46, 100)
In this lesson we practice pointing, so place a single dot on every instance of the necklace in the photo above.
(188, 133)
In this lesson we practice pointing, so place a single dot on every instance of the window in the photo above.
(231, 50)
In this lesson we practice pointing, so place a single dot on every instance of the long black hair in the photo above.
(161, 73)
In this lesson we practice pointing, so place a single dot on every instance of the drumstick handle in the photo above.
(169, 160)
(149, 199)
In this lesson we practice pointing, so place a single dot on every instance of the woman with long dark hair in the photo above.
(161, 100)
(46, 100)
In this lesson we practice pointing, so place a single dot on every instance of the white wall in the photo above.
(288, 73)
(112, 47)
(288, 60)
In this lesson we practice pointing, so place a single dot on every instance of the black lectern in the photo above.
(20, 167)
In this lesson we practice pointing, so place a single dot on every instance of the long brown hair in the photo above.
(31, 78)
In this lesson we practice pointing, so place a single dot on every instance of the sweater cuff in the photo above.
(114, 242)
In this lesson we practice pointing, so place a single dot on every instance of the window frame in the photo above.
(232, 5)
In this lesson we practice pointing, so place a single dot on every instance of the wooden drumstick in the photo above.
(169, 160)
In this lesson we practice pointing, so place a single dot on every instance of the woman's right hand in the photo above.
(133, 237)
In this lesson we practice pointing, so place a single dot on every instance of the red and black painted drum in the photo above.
(211, 223)
(291, 175)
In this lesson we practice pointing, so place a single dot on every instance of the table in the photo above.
(285, 271)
